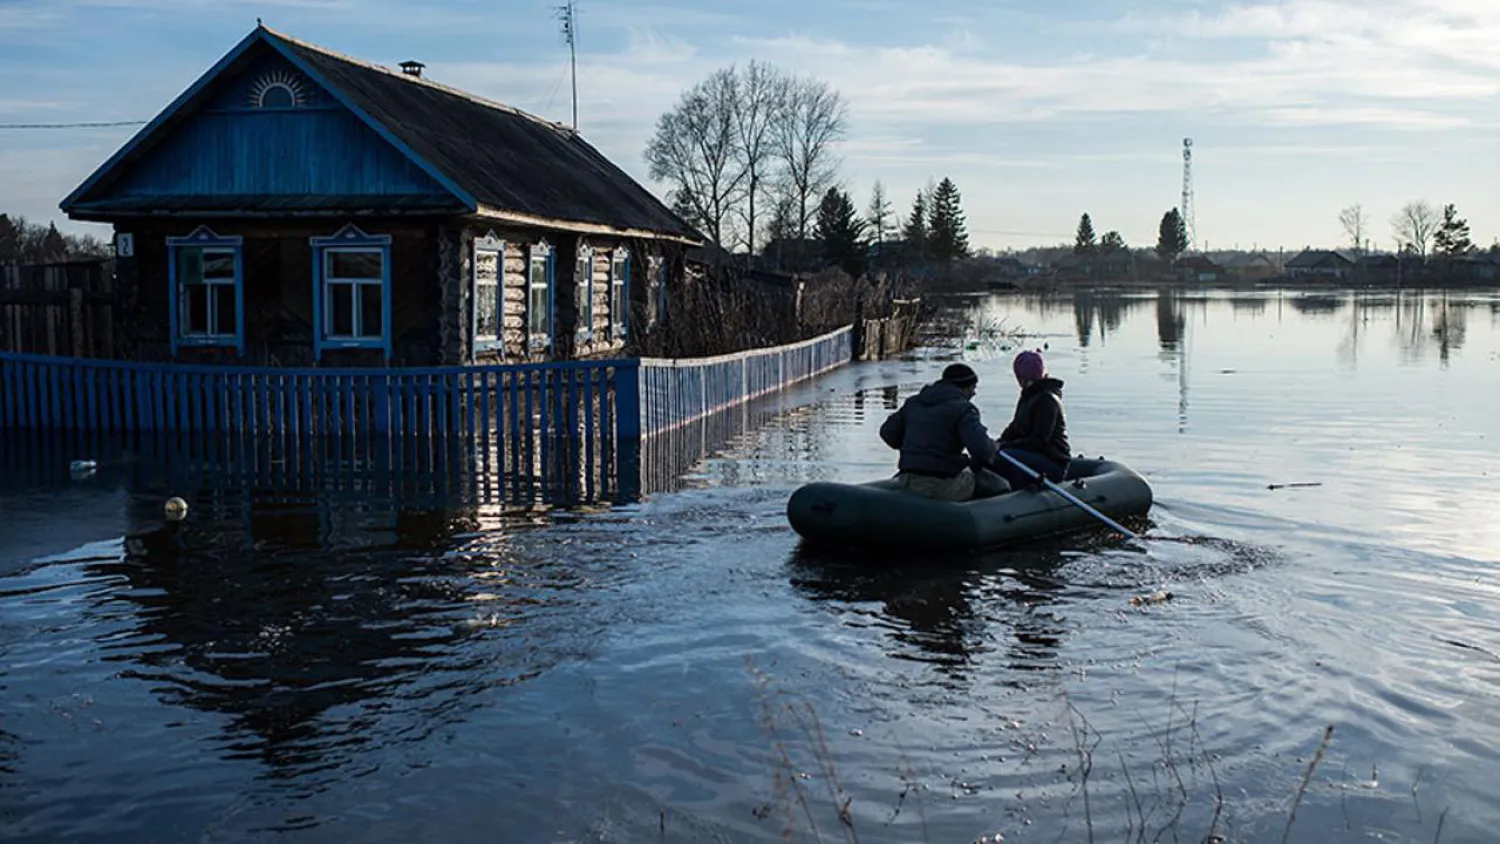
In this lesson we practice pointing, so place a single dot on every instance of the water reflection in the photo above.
(948, 615)
(242, 621)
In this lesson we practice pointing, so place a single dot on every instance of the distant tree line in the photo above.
(25, 242)
(1171, 238)
(1418, 228)
(748, 157)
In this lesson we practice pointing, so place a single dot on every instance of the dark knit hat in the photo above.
(960, 374)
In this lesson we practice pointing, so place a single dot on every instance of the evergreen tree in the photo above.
(950, 240)
(879, 215)
(1171, 239)
(10, 240)
(915, 233)
(54, 247)
(1084, 243)
(1452, 238)
(841, 232)
(1111, 242)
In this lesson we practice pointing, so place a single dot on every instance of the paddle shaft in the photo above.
(1035, 475)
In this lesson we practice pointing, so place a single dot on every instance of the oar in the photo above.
(1073, 499)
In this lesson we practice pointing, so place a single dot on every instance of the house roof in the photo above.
(498, 161)
(1309, 258)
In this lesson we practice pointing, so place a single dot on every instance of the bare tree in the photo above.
(1414, 225)
(812, 119)
(695, 150)
(1355, 225)
(757, 109)
(879, 214)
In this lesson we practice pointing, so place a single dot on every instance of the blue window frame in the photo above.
(488, 294)
(583, 284)
(619, 293)
(351, 291)
(540, 301)
(207, 300)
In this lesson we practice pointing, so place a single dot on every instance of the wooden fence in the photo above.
(58, 309)
(566, 430)
(573, 425)
(678, 392)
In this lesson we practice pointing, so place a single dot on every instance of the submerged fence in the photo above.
(675, 393)
(565, 430)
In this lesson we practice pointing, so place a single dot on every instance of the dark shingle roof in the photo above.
(504, 158)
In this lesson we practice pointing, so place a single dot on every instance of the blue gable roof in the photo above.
(259, 134)
(280, 126)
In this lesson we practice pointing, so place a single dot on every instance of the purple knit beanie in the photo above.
(1029, 366)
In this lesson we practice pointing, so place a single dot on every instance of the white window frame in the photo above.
(585, 292)
(619, 293)
(540, 252)
(185, 329)
(489, 245)
(354, 283)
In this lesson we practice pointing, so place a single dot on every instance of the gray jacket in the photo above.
(934, 427)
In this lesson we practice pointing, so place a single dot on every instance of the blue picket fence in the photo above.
(675, 393)
(571, 429)
(564, 422)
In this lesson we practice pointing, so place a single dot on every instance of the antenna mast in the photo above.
(570, 31)
(1188, 220)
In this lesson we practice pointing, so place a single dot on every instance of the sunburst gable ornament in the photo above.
(278, 89)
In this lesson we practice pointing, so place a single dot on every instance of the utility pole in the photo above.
(570, 31)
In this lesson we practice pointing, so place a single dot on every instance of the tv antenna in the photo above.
(1187, 193)
(568, 14)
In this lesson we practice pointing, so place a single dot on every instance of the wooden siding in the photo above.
(279, 295)
(297, 152)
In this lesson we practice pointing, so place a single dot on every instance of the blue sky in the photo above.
(1038, 109)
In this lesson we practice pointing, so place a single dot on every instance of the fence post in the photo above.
(628, 428)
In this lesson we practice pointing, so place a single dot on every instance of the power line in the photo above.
(103, 125)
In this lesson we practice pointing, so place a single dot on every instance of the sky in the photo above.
(1039, 110)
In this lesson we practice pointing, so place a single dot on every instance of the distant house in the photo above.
(1251, 266)
(1320, 263)
(298, 206)
(1197, 268)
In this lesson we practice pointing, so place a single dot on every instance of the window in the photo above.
(207, 278)
(539, 296)
(489, 296)
(207, 296)
(583, 281)
(352, 305)
(619, 294)
(354, 294)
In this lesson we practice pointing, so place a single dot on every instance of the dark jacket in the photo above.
(1039, 424)
(933, 428)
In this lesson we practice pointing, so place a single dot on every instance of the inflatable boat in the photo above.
(880, 515)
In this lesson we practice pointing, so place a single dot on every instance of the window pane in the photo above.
(341, 310)
(537, 311)
(224, 309)
(189, 265)
(354, 264)
(371, 312)
(486, 311)
(195, 310)
(218, 264)
(539, 271)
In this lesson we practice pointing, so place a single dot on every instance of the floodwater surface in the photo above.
(340, 665)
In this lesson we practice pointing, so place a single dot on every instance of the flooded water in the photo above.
(343, 665)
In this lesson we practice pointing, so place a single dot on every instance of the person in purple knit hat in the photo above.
(1038, 433)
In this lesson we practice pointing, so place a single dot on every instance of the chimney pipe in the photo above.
(412, 68)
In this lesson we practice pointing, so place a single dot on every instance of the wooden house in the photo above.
(1320, 263)
(295, 206)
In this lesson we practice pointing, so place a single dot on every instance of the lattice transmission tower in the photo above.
(1188, 220)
